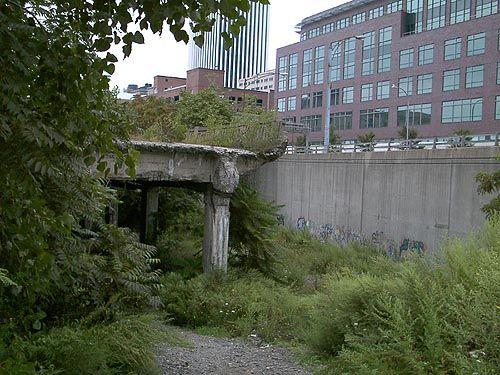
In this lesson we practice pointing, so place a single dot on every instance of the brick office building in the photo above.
(199, 79)
(442, 56)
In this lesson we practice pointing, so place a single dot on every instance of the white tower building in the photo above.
(247, 56)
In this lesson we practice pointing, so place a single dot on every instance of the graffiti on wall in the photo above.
(343, 235)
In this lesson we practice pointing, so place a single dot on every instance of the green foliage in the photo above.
(240, 304)
(252, 224)
(205, 109)
(124, 347)
(214, 120)
(489, 183)
(366, 314)
(412, 133)
(181, 225)
(366, 137)
(306, 262)
(434, 317)
(153, 120)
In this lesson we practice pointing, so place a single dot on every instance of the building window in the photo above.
(474, 76)
(395, 6)
(498, 73)
(335, 63)
(414, 16)
(435, 13)
(349, 57)
(384, 49)
(426, 54)
(406, 58)
(313, 122)
(282, 77)
(476, 44)
(292, 73)
(281, 104)
(452, 48)
(328, 28)
(358, 18)
(424, 83)
(465, 110)
(486, 7)
(348, 95)
(368, 63)
(418, 114)
(305, 101)
(451, 80)
(376, 12)
(317, 99)
(367, 92)
(373, 118)
(383, 90)
(460, 11)
(292, 103)
(335, 96)
(405, 86)
(341, 120)
(497, 108)
(319, 58)
(307, 68)
(341, 24)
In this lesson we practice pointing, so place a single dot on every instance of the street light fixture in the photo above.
(407, 120)
(331, 53)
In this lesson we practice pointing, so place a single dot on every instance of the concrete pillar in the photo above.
(216, 232)
(150, 214)
(113, 212)
(225, 178)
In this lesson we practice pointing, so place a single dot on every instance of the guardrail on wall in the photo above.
(400, 144)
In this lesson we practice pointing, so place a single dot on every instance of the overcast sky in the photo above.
(161, 55)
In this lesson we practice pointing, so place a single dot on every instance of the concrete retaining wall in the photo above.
(398, 200)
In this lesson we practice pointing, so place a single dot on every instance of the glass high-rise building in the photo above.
(247, 56)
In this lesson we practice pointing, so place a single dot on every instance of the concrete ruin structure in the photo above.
(215, 171)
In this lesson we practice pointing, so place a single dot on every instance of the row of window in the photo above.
(465, 110)
(460, 11)
(313, 67)
(474, 77)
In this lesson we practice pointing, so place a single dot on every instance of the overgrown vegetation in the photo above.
(207, 118)
(69, 283)
(357, 311)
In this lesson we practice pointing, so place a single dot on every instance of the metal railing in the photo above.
(484, 140)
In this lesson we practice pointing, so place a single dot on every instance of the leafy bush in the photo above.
(434, 317)
(252, 224)
(123, 347)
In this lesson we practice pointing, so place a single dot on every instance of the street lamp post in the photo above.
(407, 119)
(330, 54)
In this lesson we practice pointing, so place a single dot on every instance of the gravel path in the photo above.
(216, 356)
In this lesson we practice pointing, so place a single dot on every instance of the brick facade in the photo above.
(484, 106)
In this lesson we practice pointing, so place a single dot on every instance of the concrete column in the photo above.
(216, 233)
(150, 214)
(113, 213)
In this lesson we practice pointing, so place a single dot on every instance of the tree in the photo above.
(490, 183)
(412, 133)
(57, 118)
(153, 120)
(217, 121)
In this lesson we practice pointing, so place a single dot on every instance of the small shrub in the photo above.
(123, 347)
